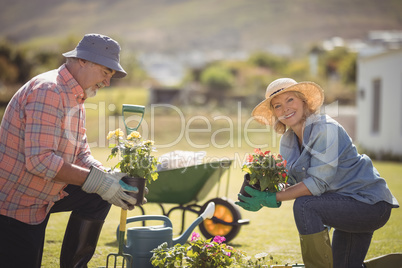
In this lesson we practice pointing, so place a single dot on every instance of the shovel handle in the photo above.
(123, 217)
(122, 230)
(132, 109)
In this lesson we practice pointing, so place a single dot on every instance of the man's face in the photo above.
(94, 77)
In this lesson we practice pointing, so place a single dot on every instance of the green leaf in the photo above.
(246, 169)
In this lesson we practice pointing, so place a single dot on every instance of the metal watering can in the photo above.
(141, 240)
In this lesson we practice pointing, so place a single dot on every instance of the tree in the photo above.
(9, 72)
(218, 80)
(267, 60)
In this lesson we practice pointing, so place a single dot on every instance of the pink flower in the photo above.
(250, 158)
(219, 239)
(195, 236)
(258, 151)
(284, 175)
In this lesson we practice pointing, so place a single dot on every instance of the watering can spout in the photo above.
(207, 214)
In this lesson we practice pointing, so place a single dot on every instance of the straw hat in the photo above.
(314, 94)
(99, 49)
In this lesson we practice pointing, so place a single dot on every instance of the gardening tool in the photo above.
(133, 109)
(141, 240)
(127, 259)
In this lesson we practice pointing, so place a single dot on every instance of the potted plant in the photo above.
(205, 253)
(135, 160)
(196, 253)
(265, 172)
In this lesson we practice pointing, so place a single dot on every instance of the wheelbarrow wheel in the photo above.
(225, 210)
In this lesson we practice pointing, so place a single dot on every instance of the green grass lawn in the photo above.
(270, 230)
(221, 135)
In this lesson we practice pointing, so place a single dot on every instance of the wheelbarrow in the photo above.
(188, 186)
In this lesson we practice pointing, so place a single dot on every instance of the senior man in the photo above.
(45, 162)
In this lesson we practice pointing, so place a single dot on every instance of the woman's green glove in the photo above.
(257, 200)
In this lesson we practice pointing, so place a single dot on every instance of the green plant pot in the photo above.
(140, 184)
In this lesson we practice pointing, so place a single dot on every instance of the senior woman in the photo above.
(332, 184)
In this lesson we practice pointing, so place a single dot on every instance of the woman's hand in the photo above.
(292, 192)
(283, 186)
(257, 200)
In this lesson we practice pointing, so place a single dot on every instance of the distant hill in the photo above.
(172, 25)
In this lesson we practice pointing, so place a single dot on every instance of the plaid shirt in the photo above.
(42, 127)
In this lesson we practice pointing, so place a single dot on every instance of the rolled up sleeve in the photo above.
(85, 158)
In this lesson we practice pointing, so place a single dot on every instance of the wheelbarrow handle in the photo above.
(130, 108)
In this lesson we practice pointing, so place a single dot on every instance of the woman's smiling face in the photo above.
(289, 109)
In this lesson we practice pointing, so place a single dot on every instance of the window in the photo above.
(375, 126)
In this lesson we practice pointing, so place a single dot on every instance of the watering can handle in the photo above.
(209, 211)
(165, 219)
(133, 109)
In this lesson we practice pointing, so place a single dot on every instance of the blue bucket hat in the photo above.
(99, 49)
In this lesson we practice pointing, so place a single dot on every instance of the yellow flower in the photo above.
(110, 135)
(119, 133)
(134, 135)
(148, 142)
(136, 148)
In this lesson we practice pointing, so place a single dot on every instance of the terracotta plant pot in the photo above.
(246, 182)
(140, 184)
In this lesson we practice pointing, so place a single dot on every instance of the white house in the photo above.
(379, 102)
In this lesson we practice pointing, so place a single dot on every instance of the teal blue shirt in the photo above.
(328, 161)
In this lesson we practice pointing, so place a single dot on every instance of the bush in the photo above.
(269, 61)
(217, 78)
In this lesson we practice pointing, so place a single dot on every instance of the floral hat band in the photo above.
(314, 94)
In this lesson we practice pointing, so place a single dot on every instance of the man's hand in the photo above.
(110, 187)
(257, 200)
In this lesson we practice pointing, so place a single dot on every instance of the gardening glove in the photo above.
(257, 200)
(250, 206)
(110, 187)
